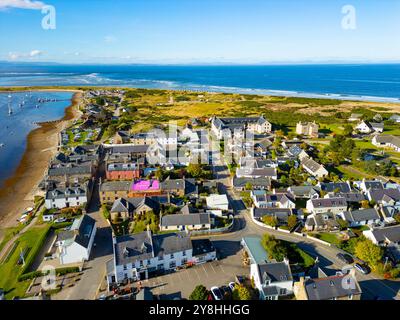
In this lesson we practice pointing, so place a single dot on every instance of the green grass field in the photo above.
(10, 270)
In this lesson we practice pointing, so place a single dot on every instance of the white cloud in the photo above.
(31, 55)
(21, 4)
(35, 53)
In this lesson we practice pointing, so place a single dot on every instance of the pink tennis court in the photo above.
(144, 185)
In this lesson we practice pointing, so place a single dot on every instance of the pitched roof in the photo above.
(185, 219)
(331, 287)
(391, 233)
(329, 202)
(361, 215)
(255, 182)
(385, 195)
(275, 272)
(333, 186)
(80, 232)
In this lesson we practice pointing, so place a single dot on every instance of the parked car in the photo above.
(361, 268)
(232, 285)
(217, 294)
(60, 220)
(344, 257)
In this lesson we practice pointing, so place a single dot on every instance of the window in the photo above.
(172, 264)
(172, 255)
(184, 253)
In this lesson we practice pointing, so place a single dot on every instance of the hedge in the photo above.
(66, 270)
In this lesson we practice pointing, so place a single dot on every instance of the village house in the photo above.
(180, 187)
(366, 185)
(395, 118)
(355, 117)
(114, 190)
(75, 244)
(309, 129)
(385, 197)
(123, 171)
(248, 172)
(280, 214)
(336, 187)
(304, 192)
(387, 237)
(225, 127)
(186, 222)
(369, 127)
(323, 205)
(276, 200)
(313, 168)
(71, 172)
(272, 279)
(125, 209)
(261, 183)
(337, 287)
(322, 222)
(138, 256)
(363, 217)
(217, 204)
(68, 197)
(387, 141)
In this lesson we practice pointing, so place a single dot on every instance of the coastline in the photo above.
(18, 190)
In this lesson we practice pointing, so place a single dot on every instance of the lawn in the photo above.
(29, 242)
(8, 234)
(328, 237)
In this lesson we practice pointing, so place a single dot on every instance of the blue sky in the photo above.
(201, 31)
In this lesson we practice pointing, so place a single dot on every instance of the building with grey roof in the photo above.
(75, 244)
(385, 236)
(338, 287)
(385, 197)
(262, 183)
(321, 205)
(361, 217)
(222, 127)
(140, 255)
(66, 197)
(181, 222)
(272, 279)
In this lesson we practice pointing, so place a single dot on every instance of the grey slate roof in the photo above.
(310, 164)
(62, 193)
(84, 228)
(385, 195)
(255, 182)
(361, 215)
(281, 214)
(391, 233)
(343, 187)
(330, 287)
(134, 247)
(131, 204)
(275, 272)
(70, 169)
(185, 219)
(329, 202)
(171, 243)
(122, 167)
(303, 191)
(116, 186)
(352, 196)
(128, 149)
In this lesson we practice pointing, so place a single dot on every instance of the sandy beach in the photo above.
(19, 190)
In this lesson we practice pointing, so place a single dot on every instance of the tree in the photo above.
(241, 293)
(397, 217)
(106, 212)
(292, 220)
(270, 220)
(365, 204)
(195, 170)
(348, 130)
(369, 252)
(275, 248)
(248, 186)
(199, 293)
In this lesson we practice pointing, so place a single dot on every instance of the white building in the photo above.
(358, 218)
(60, 198)
(322, 205)
(312, 167)
(139, 255)
(217, 202)
(272, 279)
(75, 245)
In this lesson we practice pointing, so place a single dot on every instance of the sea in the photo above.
(27, 111)
(369, 82)
(372, 82)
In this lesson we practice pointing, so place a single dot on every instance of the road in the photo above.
(371, 285)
